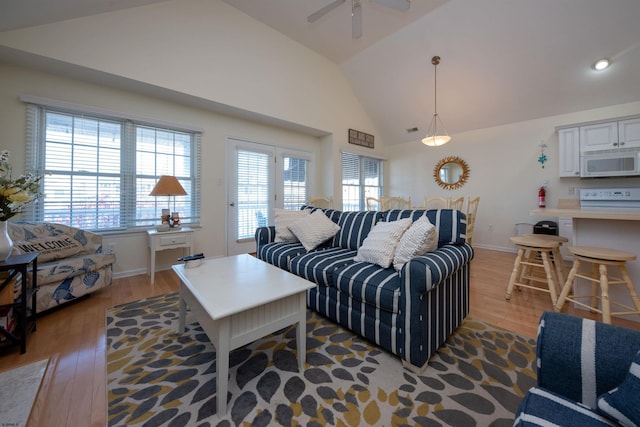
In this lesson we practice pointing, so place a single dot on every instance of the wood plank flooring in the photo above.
(74, 336)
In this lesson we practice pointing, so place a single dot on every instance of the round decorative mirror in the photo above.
(451, 173)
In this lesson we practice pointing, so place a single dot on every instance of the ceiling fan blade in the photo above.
(356, 20)
(401, 5)
(320, 13)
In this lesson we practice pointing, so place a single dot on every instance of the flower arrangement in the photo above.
(15, 195)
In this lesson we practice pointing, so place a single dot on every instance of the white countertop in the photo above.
(591, 213)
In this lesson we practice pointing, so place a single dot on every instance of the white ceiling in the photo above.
(503, 61)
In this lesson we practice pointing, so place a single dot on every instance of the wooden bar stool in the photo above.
(558, 262)
(600, 258)
(535, 253)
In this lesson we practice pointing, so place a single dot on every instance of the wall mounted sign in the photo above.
(360, 138)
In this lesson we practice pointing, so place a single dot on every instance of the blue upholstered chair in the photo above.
(588, 375)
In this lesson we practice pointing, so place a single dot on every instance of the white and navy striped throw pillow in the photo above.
(623, 402)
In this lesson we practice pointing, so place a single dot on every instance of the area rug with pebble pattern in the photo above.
(159, 377)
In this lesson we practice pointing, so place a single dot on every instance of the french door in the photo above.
(261, 178)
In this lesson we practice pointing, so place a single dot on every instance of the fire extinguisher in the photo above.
(541, 195)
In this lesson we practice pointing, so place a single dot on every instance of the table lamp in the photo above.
(168, 186)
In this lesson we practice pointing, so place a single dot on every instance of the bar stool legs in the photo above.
(526, 259)
(601, 259)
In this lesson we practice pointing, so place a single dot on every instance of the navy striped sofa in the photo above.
(409, 313)
(580, 363)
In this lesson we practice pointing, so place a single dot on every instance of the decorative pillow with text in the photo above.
(50, 248)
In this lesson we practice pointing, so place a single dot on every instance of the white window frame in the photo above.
(131, 197)
(364, 190)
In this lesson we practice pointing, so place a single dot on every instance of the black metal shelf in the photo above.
(25, 314)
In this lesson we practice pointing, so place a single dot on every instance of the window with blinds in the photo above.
(98, 171)
(361, 178)
(294, 182)
(255, 177)
(254, 180)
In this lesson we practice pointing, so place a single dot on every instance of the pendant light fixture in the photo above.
(433, 138)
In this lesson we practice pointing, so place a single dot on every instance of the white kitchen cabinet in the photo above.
(601, 136)
(629, 133)
(569, 152)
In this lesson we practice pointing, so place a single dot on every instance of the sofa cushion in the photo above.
(582, 358)
(314, 229)
(280, 253)
(354, 228)
(368, 283)
(57, 271)
(49, 248)
(450, 223)
(621, 403)
(21, 230)
(283, 218)
(380, 245)
(541, 407)
(318, 266)
(420, 238)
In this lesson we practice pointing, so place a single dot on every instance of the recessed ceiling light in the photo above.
(601, 64)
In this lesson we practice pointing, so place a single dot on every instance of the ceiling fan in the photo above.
(356, 12)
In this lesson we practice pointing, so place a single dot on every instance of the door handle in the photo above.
(232, 204)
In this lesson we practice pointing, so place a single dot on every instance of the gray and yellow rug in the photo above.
(157, 377)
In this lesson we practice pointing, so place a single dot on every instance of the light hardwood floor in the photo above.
(74, 336)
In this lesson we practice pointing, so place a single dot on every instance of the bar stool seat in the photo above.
(547, 237)
(534, 252)
(557, 256)
(601, 259)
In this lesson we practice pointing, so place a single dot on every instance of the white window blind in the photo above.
(253, 200)
(361, 178)
(294, 182)
(98, 171)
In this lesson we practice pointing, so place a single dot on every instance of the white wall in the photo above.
(131, 250)
(209, 50)
(505, 171)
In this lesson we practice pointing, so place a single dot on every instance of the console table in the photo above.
(26, 321)
(164, 240)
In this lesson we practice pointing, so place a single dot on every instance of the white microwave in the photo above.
(610, 163)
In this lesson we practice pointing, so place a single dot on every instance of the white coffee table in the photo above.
(239, 299)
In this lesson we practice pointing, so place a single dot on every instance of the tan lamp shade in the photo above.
(168, 185)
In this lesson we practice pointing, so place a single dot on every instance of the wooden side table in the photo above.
(164, 240)
(26, 321)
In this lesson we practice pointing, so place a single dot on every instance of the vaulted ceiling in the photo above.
(503, 61)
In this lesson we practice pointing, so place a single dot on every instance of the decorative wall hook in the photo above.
(543, 157)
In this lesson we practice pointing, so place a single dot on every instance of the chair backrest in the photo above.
(471, 212)
(262, 220)
(321, 202)
(436, 202)
(388, 202)
(373, 204)
(456, 203)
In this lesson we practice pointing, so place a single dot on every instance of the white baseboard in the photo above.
(496, 248)
(129, 273)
